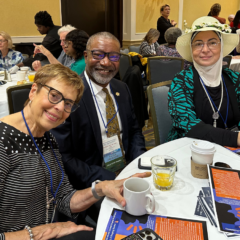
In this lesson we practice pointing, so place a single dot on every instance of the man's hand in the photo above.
(40, 49)
(14, 69)
(114, 189)
(36, 65)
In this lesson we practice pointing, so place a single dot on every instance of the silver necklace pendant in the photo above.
(215, 116)
(215, 123)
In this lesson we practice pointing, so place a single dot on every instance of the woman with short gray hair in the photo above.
(171, 36)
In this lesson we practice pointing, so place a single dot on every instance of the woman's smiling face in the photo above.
(209, 53)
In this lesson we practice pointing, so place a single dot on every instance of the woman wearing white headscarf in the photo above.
(204, 100)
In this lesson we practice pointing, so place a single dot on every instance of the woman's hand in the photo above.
(57, 230)
(173, 23)
(36, 65)
(48, 231)
(114, 189)
(40, 49)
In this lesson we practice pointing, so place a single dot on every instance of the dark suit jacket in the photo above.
(80, 141)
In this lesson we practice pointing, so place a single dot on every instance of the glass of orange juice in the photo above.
(163, 171)
(31, 76)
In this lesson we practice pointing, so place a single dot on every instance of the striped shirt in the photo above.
(146, 49)
(23, 180)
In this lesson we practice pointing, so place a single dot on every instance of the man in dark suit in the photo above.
(81, 137)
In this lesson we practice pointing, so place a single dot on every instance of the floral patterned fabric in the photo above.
(164, 50)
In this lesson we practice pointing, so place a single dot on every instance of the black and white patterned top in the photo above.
(23, 180)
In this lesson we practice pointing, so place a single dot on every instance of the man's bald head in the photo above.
(105, 35)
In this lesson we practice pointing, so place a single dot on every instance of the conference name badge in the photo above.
(112, 154)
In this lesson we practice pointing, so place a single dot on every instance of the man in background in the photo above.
(231, 18)
(51, 41)
(64, 59)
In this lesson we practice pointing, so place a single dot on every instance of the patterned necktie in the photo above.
(113, 126)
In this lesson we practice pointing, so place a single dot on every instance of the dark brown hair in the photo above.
(163, 7)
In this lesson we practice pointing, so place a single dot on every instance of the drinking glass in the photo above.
(163, 170)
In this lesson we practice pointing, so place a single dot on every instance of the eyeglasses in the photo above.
(99, 55)
(2, 41)
(54, 96)
(198, 45)
(66, 43)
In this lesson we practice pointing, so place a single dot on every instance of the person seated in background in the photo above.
(64, 59)
(164, 23)
(33, 181)
(235, 24)
(150, 45)
(44, 23)
(8, 57)
(204, 99)
(171, 36)
(215, 10)
(74, 46)
(230, 18)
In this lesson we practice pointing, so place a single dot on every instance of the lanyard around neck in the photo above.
(211, 101)
(105, 125)
(50, 172)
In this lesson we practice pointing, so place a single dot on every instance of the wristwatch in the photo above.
(94, 190)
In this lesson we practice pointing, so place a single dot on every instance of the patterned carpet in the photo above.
(148, 134)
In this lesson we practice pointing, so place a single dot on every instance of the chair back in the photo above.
(134, 49)
(227, 60)
(161, 71)
(125, 63)
(158, 100)
(126, 50)
(17, 96)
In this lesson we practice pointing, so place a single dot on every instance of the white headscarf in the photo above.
(211, 75)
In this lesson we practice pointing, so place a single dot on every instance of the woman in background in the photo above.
(171, 36)
(8, 57)
(235, 24)
(164, 23)
(215, 10)
(75, 44)
(149, 45)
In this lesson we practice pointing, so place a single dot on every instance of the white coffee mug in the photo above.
(21, 75)
(139, 200)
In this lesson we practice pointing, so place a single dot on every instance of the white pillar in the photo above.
(180, 14)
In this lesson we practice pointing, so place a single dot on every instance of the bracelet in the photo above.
(94, 190)
(30, 232)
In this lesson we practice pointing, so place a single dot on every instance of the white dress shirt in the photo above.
(101, 111)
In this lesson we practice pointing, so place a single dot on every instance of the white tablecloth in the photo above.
(181, 200)
(235, 65)
(3, 96)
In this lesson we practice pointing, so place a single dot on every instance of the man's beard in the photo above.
(102, 79)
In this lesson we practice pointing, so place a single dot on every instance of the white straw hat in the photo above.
(230, 41)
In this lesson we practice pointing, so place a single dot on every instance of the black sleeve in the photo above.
(162, 26)
(207, 132)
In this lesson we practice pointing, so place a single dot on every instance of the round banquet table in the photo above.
(3, 95)
(181, 200)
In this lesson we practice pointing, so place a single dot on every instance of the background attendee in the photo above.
(204, 99)
(74, 46)
(171, 36)
(215, 10)
(164, 23)
(230, 18)
(37, 175)
(235, 24)
(64, 59)
(150, 45)
(8, 57)
(51, 41)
